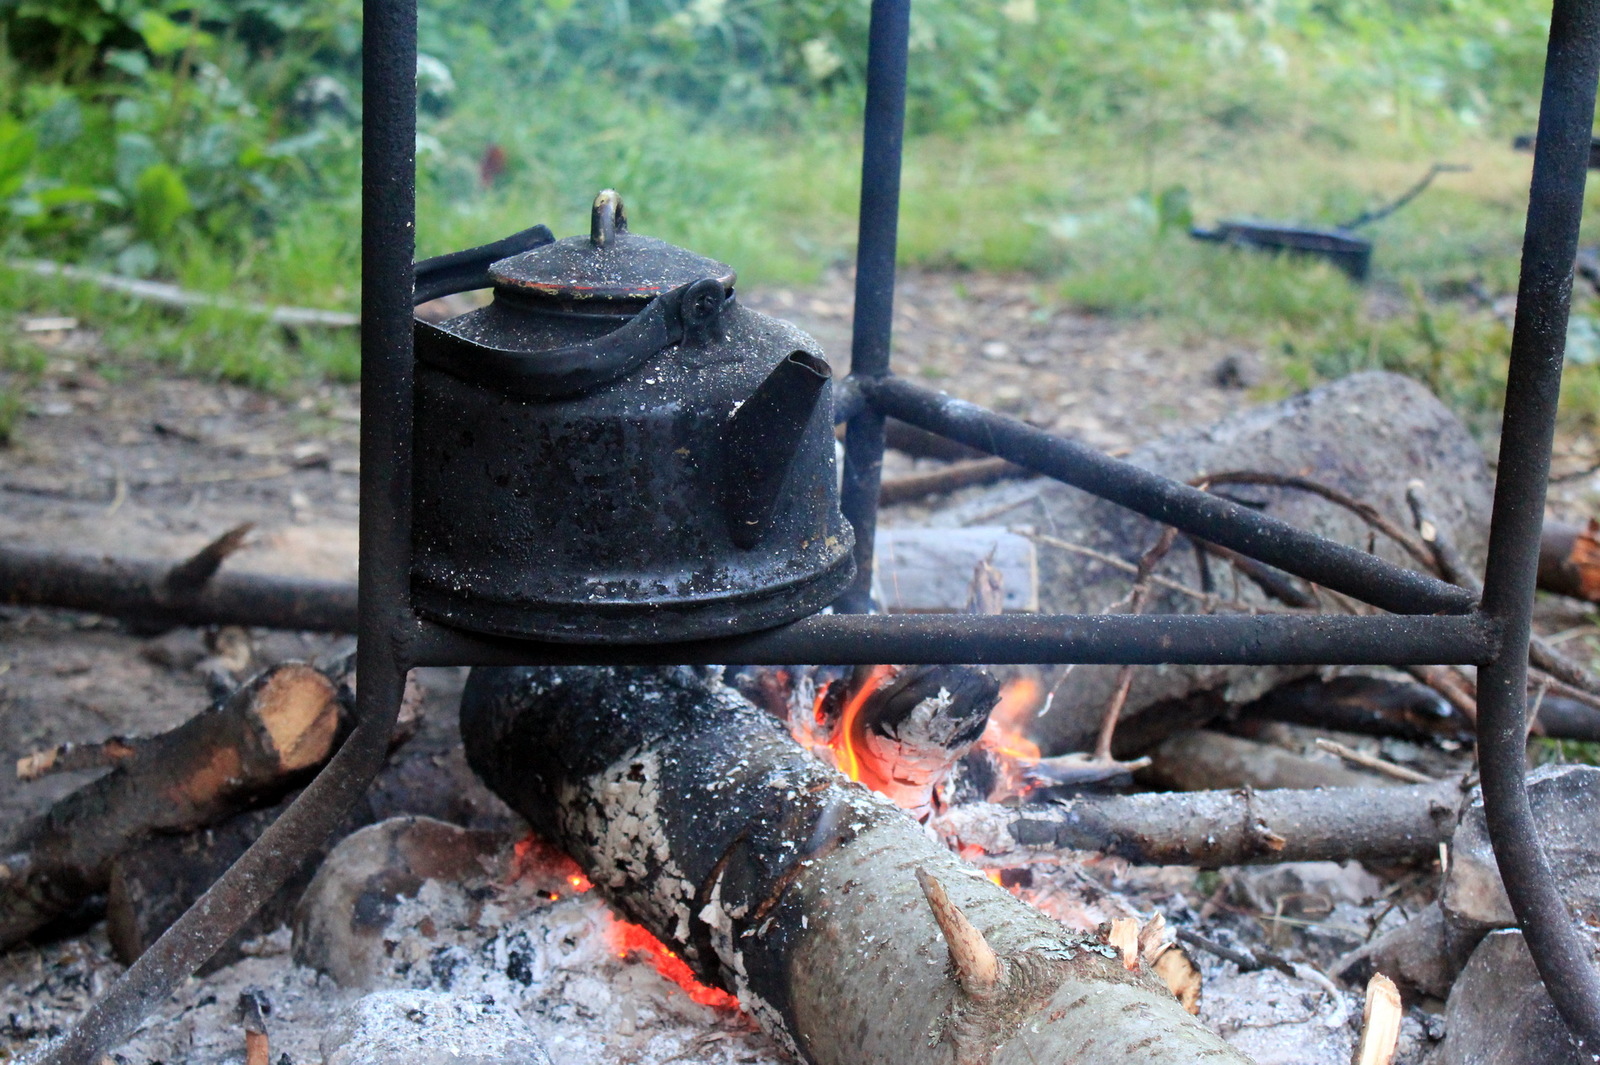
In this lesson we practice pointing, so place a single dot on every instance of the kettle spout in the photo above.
(761, 441)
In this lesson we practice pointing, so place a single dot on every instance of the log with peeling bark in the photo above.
(250, 749)
(850, 935)
(1217, 828)
(1367, 436)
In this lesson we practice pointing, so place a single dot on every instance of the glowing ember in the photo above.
(631, 940)
(547, 869)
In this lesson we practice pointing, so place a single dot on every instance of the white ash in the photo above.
(552, 962)
(1277, 1019)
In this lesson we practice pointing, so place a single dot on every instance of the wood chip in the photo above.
(1380, 1022)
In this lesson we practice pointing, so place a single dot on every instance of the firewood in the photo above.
(137, 589)
(1216, 828)
(901, 730)
(1380, 1022)
(923, 570)
(250, 749)
(1203, 760)
(253, 1010)
(1569, 559)
(916, 486)
(153, 884)
(698, 816)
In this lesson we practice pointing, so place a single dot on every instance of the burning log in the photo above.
(901, 730)
(1365, 437)
(813, 900)
(249, 749)
(1216, 828)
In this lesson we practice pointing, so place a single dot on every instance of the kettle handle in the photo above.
(463, 271)
(688, 314)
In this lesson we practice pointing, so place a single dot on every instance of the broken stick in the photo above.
(1217, 828)
(248, 750)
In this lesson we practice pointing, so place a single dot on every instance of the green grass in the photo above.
(1070, 141)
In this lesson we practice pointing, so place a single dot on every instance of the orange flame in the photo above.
(1006, 738)
(631, 939)
(1006, 732)
(845, 742)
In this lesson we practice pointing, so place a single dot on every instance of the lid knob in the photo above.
(606, 219)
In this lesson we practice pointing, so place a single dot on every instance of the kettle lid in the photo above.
(610, 264)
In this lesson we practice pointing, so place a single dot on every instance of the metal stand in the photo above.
(1430, 622)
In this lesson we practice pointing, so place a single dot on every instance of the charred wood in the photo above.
(1217, 828)
(901, 730)
(151, 885)
(252, 748)
(702, 820)
(1361, 704)
(139, 591)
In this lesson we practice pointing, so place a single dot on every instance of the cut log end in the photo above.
(298, 708)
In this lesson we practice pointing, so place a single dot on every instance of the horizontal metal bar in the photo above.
(850, 639)
(1221, 521)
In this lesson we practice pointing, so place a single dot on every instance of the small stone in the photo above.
(340, 922)
(1500, 1013)
(1304, 889)
(1566, 807)
(1414, 956)
(430, 1028)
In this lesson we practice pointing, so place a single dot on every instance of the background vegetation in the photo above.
(214, 143)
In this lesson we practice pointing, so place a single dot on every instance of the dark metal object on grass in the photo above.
(1339, 246)
(393, 638)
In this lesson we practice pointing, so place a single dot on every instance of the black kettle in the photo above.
(616, 450)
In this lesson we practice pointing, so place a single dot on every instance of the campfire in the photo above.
(749, 860)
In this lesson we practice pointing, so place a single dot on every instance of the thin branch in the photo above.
(1377, 765)
(1141, 591)
(173, 296)
(1365, 511)
(1208, 600)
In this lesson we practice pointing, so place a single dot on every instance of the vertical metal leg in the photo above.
(875, 252)
(388, 184)
(1561, 952)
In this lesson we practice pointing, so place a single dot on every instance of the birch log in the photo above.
(1367, 435)
(812, 899)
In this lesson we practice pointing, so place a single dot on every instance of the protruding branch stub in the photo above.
(977, 966)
